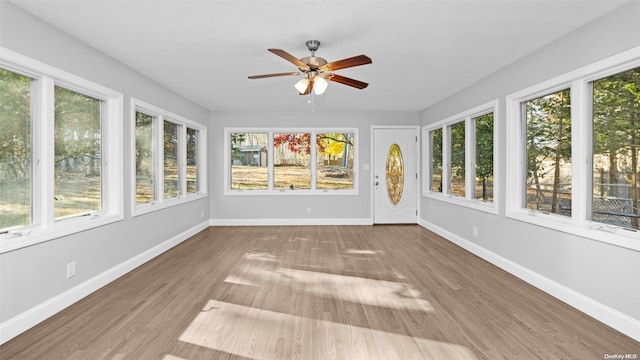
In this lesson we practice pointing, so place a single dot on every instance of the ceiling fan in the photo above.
(317, 69)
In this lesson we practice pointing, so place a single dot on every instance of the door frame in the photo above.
(372, 171)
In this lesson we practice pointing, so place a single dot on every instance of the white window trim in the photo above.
(312, 156)
(44, 228)
(581, 134)
(469, 199)
(160, 115)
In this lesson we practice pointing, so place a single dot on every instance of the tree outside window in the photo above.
(78, 154)
(616, 141)
(484, 157)
(548, 153)
(192, 161)
(145, 172)
(458, 164)
(436, 160)
(15, 150)
(171, 177)
(292, 166)
(334, 165)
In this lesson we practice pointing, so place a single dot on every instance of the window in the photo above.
(60, 153)
(307, 161)
(169, 159)
(459, 164)
(192, 161)
(616, 148)
(145, 185)
(15, 150)
(548, 153)
(590, 114)
(171, 177)
(483, 126)
(457, 153)
(249, 170)
(78, 154)
(292, 166)
(436, 160)
(334, 161)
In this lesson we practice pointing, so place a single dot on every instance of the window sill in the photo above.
(146, 208)
(612, 235)
(290, 192)
(484, 206)
(21, 238)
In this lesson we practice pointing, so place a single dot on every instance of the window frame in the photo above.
(578, 81)
(159, 117)
(469, 200)
(270, 154)
(44, 80)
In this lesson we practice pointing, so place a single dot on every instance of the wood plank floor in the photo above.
(318, 292)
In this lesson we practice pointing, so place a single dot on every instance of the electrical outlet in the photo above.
(309, 210)
(475, 231)
(71, 269)
(202, 214)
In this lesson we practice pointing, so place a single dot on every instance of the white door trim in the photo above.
(372, 170)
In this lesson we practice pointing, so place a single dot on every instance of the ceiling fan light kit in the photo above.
(317, 70)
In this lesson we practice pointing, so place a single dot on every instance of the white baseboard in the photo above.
(614, 318)
(28, 319)
(289, 222)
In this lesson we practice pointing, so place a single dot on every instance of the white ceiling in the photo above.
(422, 51)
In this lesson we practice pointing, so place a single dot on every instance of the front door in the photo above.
(395, 175)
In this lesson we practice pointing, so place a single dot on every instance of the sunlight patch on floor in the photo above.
(362, 252)
(261, 256)
(172, 357)
(389, 294)
(265, 335)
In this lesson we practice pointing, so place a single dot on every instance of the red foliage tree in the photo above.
(296, 142)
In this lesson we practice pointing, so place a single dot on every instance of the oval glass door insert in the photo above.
(394, 174)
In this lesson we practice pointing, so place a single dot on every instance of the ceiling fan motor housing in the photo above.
(314, 62)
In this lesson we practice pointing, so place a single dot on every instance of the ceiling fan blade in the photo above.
(292, 59)
(307, 91)
(346, 63)
(346, 81)
(273, 75)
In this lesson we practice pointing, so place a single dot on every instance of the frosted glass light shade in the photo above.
(319, 85)
(302, 85)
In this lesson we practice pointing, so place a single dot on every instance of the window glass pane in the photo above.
(145, 189)
(334, 167)
(171, 178)
(249, 168)
(292, 168)
(192, 160)
(549, 153)
(484, 157)
(457, 185)
(78, 167)
(436, 160)
(15, 150)
(616, 138)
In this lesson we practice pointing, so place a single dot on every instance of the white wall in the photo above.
(33, 280)
(291, 209)
(602, 279)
